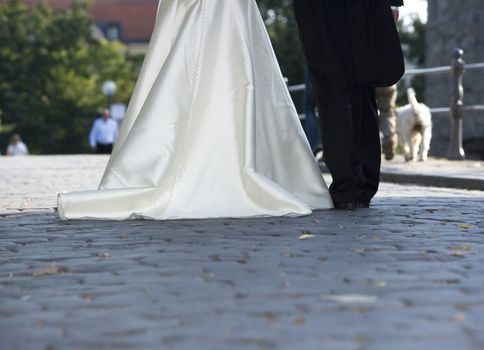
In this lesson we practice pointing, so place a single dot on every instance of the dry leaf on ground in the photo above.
(49, 270)
(306, 235)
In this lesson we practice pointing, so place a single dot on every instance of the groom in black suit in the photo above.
(351, 46)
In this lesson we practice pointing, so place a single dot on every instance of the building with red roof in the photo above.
(130, 21)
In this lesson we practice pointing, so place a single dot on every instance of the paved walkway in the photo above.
(436, 172)
(406, 274)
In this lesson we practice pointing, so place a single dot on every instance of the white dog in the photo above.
(414, 126)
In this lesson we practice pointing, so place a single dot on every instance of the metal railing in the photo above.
(456, 109)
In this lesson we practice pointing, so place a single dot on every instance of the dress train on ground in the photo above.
(210, 131)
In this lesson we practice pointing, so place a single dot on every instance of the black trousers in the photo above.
(102, 148)
(351, 140)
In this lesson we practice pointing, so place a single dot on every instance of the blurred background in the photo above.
(62, 62)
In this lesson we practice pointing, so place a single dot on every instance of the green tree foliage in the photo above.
(281, 24)
(51, 70)
(413, 38)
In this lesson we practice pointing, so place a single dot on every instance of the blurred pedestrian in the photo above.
(311, 122)
(386, 98)
(16, 147)
(103, 134)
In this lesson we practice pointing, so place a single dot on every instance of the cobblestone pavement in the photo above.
(406, 274)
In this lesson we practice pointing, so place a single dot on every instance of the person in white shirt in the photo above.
(16, 147)
(103, 134)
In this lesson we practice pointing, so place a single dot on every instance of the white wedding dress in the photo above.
(211, 130)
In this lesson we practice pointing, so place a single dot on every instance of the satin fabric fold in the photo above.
(210, 131)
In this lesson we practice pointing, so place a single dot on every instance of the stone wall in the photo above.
(453, 24)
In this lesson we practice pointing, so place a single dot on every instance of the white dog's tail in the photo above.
(412, 100)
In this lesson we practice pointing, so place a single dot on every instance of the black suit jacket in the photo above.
(354, 42)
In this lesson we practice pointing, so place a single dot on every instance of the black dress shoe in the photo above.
(351, 205)
(346, 205)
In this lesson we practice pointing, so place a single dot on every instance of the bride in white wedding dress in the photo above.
(210, 131)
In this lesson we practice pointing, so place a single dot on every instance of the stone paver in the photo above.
(405, 274)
